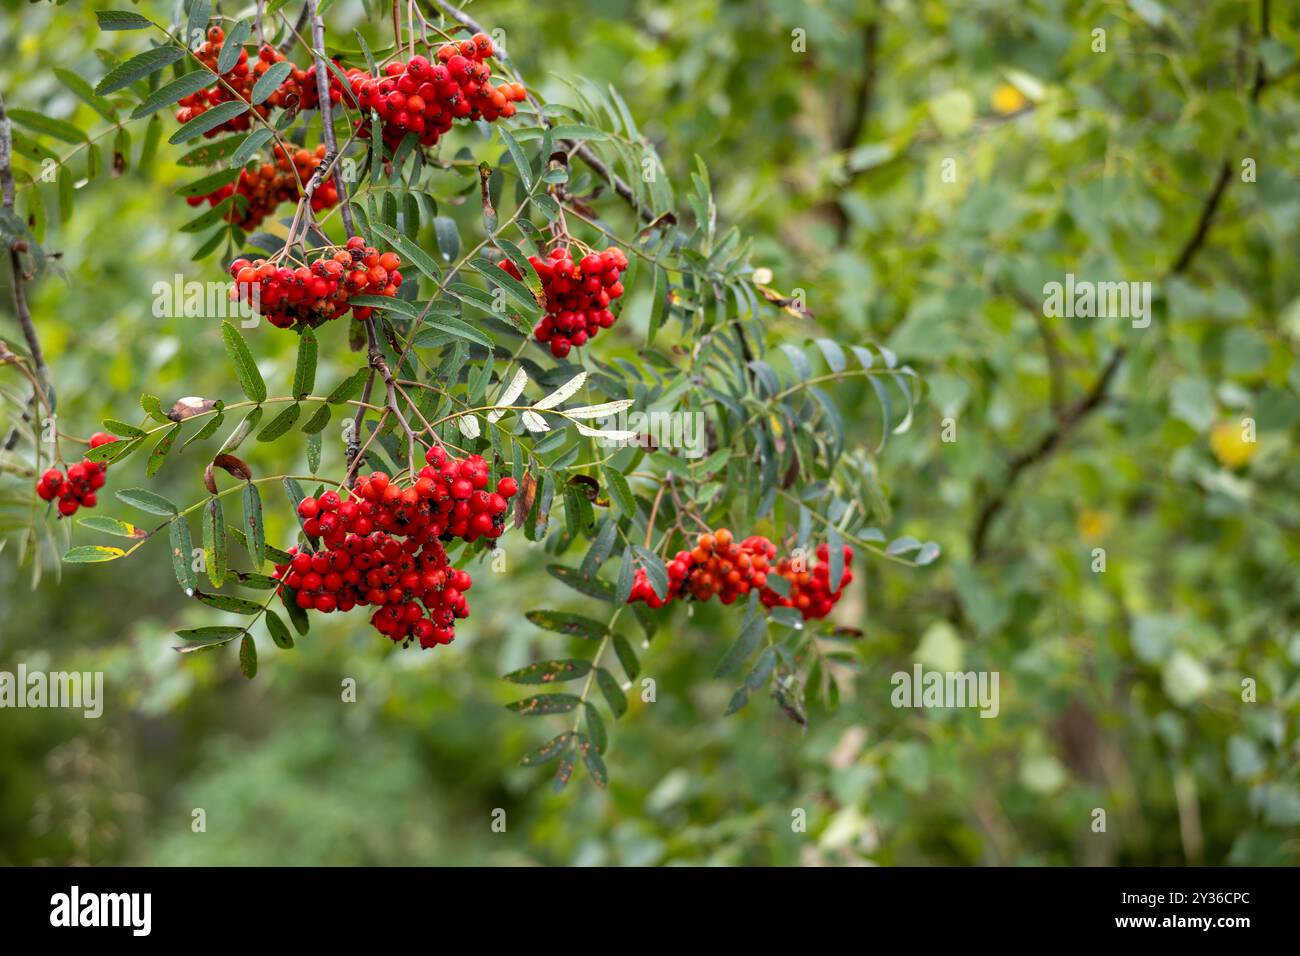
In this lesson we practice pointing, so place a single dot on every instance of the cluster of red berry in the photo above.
(425, 98)
(298, 91)
(77, 488)
(449, 497)
(264, 188)
(395, 576)
(310, 295)
(382, 546)
(719, 566)
(810, 588)
(578, 295)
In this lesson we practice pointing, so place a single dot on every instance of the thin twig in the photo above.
(327, 113)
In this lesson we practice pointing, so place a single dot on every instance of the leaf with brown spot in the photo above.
(550, 672)
(248, 657)
(540, 705)
(235, 466)
(524, 499)
(547, 751)
(565, 773)
(591, 757)
(563, 622)
(190, 406)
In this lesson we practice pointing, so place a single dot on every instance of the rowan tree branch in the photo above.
(16, 247)
(295, 30)
(327, 118)
(1069, 420)
(863, 96)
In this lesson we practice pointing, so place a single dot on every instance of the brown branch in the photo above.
(21, 309)
(354, 437)
(863, 96)
(1202, 231)
(1067, 422)
(295, 30)
(327, 116)
(1051, 348)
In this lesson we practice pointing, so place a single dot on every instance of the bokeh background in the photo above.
(1120, 690)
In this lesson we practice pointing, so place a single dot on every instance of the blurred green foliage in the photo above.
(826, 127)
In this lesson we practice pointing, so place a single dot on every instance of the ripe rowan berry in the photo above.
(424, 98)
(77, 488)
(718, 566)
(307, 296)
(577, 295)
(382, 546)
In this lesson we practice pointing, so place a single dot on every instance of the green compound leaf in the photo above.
(550, 672)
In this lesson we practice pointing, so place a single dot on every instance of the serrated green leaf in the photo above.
(251, 144)
(121, 20)
(752, 630)
(88, 553)
(612, 692)
(444, 230)
(147, 500)
(160, 450)
(278, 631)
(349, 388)
(304, 373)
(318, 420)
(209, 183)
(83, 91)
(126, 73)
(112, 526)
(250, 379)
(655, 571)
(182, 548)
(209, 119)
(172, 92)
(409, 250)
(253, 524)
(232, 46)
(565, 772)
(619, 491)
(210, 635)
(626, 657)
(47, 125)
(242, 431)
(228, 602)
(213, 152)
(438, 325)
(519, 159)
(280, 424)
(597, 554)
(214, 541)
(271, 80)
(123, 429)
